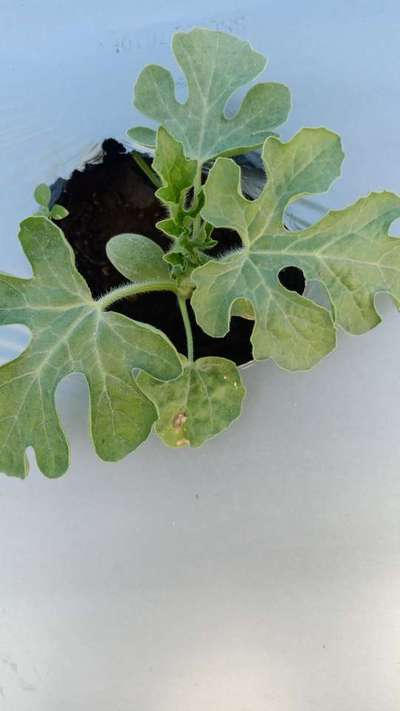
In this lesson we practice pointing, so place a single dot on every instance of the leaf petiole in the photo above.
(122, 292)
(127, 290)
(188, 327)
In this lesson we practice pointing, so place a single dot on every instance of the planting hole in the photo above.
(112, 196)
(293, 279)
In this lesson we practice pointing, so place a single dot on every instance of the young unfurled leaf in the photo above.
(202, 402)
(138, 258)
(348, 251)
(71, 333)
(42, 195)
(176, 172)
(215, 65)
(178, 175)
(189, 251)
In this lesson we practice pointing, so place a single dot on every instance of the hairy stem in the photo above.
(188, 328)
(131, 289)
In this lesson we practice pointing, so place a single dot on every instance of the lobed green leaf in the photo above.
(71, 333)
(215, 65)
(349, 252)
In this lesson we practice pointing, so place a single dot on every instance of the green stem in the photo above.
(196, 190)
(146, 169)
(197, 181)
(132, 289)
(188, 328)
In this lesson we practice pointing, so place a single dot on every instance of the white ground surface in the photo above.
(261, 572)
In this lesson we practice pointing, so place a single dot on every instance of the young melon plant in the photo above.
(136, 377)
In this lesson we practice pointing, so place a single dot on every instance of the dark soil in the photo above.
(112, 196)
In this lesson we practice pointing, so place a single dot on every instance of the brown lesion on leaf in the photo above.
(182, 442)
(179, 420)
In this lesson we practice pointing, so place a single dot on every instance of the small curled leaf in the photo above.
(58, 212)
(42, 195)
(143, 135)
